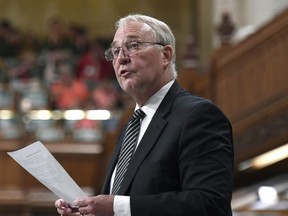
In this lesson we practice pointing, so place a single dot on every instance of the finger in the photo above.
(58, 203)
(80, 203)
(82, 211)
(62, 210)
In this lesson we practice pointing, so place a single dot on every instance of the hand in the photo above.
(64, 209)
(101, 205)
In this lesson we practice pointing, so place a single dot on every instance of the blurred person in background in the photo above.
(67, 92)
(92, 67)
(80, 41)
(57, 36)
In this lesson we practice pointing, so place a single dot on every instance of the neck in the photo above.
(141, 97)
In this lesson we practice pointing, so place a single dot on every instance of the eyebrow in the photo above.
(113, 44)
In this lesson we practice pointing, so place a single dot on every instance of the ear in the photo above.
(168, 53)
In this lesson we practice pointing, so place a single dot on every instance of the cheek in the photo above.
(153, 65)
(149, 62)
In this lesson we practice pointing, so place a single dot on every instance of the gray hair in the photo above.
(162, 32)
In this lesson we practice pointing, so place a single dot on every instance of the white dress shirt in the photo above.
(121, 205)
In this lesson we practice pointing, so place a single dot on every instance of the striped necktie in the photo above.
(128, 148)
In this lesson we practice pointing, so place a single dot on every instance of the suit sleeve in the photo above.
(205, 160)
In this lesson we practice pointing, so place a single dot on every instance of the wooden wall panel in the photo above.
(98, 15)
(253, 74)
(250, 86)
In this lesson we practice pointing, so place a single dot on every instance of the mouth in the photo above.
(124, 73)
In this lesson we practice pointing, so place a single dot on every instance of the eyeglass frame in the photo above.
(110, 56)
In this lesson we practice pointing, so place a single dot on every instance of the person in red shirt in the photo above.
(92, 67)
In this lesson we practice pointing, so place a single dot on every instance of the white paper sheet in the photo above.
(40, 163)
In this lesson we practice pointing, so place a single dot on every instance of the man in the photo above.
(184, 157)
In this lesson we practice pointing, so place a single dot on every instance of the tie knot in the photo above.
(139, 114)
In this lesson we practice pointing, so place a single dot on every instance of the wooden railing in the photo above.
(249, 83)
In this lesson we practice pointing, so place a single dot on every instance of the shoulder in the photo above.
(183, 103)
(188, 100)
(188, 104)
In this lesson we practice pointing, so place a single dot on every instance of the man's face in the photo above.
(140, 72)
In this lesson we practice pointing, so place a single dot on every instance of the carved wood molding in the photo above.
(262, 137)
(268, 32)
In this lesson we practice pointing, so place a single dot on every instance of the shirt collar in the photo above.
(154, 101)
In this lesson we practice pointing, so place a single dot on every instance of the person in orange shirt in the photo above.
(68, 92)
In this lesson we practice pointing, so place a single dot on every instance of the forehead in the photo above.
(133, 30)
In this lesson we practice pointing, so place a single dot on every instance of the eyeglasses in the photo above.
(128, 47)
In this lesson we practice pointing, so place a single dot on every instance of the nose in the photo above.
(123, 58)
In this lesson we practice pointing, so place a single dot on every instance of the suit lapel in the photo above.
(150, 137)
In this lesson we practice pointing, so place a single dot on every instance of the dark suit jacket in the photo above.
(183, 164)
